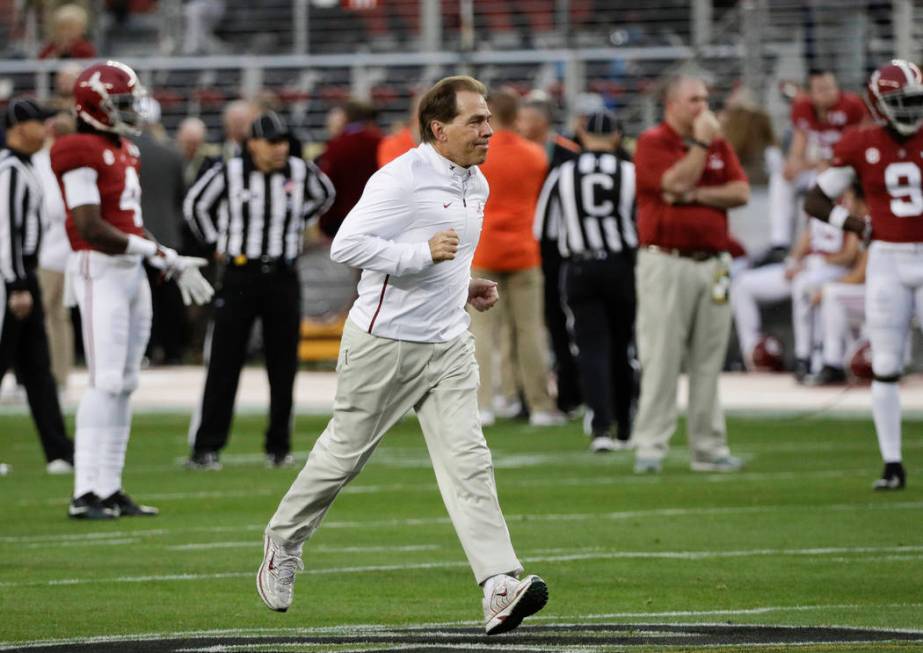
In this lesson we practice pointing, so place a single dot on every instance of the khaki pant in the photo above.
(378, 381)
(57, 324)
(679, 327)
(521, 304)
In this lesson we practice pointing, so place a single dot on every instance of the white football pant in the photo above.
(768, 284)
(783, 209)
(894, 291)
(842, 310)
(115, 310)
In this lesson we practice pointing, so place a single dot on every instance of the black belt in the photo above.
(697, 255)
(261, 263)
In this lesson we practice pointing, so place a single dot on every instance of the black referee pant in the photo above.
(272, 293)
(600, 294)
(565, 365)
(24, 347)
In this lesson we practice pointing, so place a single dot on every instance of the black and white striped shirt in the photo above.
(20, 218)
(245, 212)
(591, 202)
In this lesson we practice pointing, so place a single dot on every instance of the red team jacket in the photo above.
(117, 165)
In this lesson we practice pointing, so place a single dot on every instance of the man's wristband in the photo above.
(838, 215)
(142, 246)
(698, 143)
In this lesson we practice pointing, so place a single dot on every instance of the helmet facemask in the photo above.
(904, 109)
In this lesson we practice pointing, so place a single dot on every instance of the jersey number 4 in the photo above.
(903, 182)
(130, 199)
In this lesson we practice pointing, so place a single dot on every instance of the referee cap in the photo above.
(602, 123)
(269, 126)
(23, 110)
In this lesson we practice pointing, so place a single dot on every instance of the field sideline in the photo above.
(797, 540)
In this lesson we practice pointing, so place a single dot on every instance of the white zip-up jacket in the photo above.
(403, 295)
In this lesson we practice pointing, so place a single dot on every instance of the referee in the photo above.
(592, 198)
(23, 341)
(252, 209)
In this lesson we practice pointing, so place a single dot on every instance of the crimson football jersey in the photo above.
(824, 134)
(890, 173)
(117, 180)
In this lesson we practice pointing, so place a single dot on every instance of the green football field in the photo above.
(797, 540)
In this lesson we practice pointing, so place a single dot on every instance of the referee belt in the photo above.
(261, 263)
(697, 255)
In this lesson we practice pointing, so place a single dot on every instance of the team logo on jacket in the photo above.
(715, 162)
(872, 155)
(108, 157)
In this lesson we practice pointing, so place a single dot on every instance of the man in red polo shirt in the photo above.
(687, 179)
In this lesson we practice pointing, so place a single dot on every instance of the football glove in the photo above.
(193, 287)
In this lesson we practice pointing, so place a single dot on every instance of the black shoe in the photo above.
(279, 460)
(892, 478)
(88, 506)
(204, 460)
(828, 375)
(776, 254)
(122, 505)
(802, 369)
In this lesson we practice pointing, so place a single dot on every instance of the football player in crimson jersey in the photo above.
(97, 170)
(886, 159)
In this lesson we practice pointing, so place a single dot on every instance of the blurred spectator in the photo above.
(68, 35)
(842, 308)
(201, 19)
(162, 191)
(190, 139)
(53, 254)
(508, 254)
(534, 122)
(64, 78)
(335, 121)
(349, 160)
(406, 138)
(236, 120)
(818, 120)
(821, 254)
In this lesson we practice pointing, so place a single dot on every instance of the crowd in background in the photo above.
(529, 350)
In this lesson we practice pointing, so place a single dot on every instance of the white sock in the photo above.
(886, 410)
(114, 446)
(96, 416)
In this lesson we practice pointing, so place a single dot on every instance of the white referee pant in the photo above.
(378, 381)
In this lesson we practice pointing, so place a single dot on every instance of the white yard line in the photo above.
(435, 521)
(258, 544)
(819, 552)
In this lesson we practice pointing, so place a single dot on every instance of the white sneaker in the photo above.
(487, 418)
(547, 418)
(507, 408)
(723, 464)
(59, 466)
(602, 444)
(511, 601)
(276, 578)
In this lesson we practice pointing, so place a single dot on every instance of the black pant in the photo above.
(565, 365)
(601, 296)
(272, 294)
(169, 321)
(24, 347)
